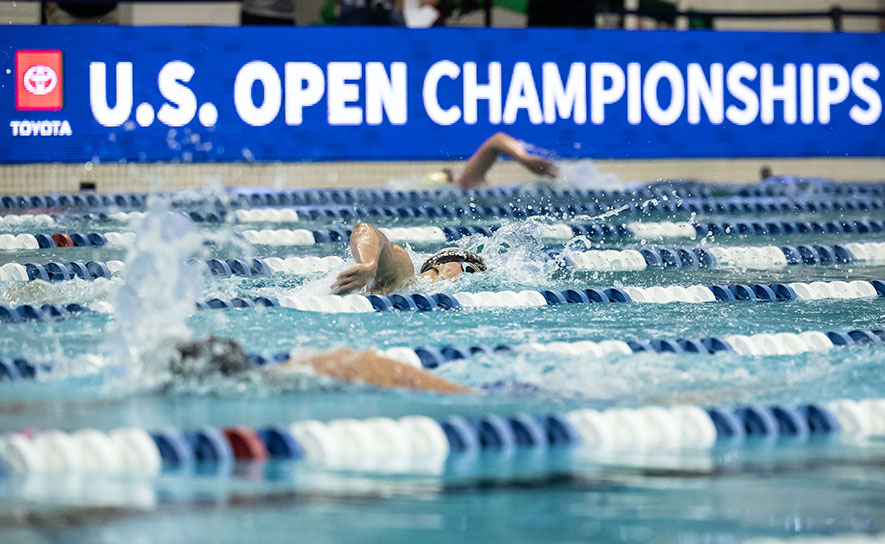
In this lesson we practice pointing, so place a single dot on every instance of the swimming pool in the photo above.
(758, 304)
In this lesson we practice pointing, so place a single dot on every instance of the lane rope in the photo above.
(776, 292)
(422, 443)
(761, 344)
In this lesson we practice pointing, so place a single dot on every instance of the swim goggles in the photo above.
(468, 259)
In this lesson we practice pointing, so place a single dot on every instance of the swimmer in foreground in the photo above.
(384, 266)
(484, 158)
(198, 359)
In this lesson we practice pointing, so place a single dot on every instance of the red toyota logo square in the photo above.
(38, 80)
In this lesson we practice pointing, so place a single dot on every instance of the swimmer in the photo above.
(484, 158)
(198, 359)
(383, 266)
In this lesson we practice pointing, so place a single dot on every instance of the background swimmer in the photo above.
(484, 158)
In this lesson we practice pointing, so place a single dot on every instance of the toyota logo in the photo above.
(40, 79)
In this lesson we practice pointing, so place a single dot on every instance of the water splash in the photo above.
(158, 293)
(514, 255)
(584, 174)
(668, 379)
(40, 292)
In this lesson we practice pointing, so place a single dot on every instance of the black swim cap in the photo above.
(209, 356)
(453, 255)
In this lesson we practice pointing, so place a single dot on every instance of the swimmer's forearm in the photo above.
(381, 265)
(515, 150)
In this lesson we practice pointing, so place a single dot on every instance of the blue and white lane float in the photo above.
(263, 197)
(762, 344)
(741, 257)
(561, 232)
(57, 271)
(742, 206)
(60, 240)
(18, 241)
(26, 220)
(49, 312)
(259, 198)
(305, 237)
(722, 206)
(423, 443)
(299, 266)
(777, 292)
(439, 235)
(789, 185)
(320, 203)
(92, 270)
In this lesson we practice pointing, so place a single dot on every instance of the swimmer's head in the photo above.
(207, 357)
(452, 261)
(441, 176)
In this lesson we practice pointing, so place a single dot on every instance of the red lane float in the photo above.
(62, 240)
(245, 444)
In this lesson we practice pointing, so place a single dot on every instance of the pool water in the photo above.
(100, 371)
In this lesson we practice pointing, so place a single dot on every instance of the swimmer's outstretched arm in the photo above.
(484, 158)
(368, 367)
(380, 262)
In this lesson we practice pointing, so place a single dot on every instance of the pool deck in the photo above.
(61, 177)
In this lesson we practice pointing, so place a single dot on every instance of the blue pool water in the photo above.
(101, 371)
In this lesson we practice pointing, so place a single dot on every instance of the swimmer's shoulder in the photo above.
(403, 262)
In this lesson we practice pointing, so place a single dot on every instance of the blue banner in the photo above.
(109, 94)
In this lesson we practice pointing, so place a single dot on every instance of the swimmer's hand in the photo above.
(540, 166)
(354, 278)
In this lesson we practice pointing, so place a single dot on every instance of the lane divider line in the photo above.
(710, 257)
(776, 292)
(421, 443)
(243, 197)
(762, 344)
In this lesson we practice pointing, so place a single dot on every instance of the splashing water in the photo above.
(514, 255)
(158, 293)
(584, 174)
(76, 290)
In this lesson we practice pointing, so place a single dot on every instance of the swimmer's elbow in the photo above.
(499, 140)
(366, 231)
(362, 228)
